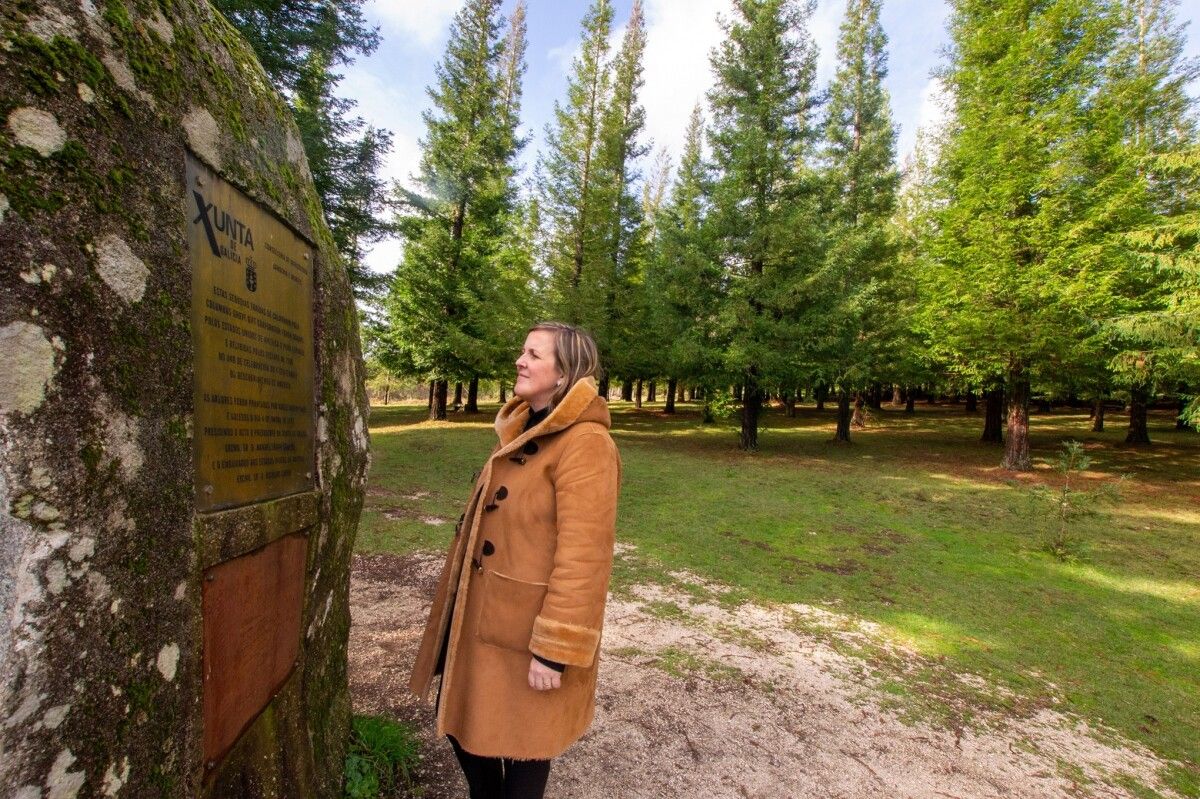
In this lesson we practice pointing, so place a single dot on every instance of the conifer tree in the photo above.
(685, 277)
(573, 202)
(763, 199)
(1154, 341)
(1015, 287)
(861, 181)
(441, 303)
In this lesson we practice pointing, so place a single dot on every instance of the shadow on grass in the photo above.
(914, 528)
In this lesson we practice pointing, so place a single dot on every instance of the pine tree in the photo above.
(685, 278)
(1015, 283)
(441, 307)
(763, 199)
(301, 44)
(571, 191)
(1154, 339)
(861, 181)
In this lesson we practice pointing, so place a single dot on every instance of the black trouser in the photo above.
(500, 777)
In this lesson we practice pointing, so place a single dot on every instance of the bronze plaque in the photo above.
(252, 327)
(251, 608)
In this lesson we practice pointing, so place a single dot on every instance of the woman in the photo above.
(515, 625)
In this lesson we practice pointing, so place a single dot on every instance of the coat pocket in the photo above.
(509, 608)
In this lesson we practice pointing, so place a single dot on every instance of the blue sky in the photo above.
(390, 85)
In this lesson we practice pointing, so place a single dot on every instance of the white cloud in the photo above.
(679, 38)
(422, 21)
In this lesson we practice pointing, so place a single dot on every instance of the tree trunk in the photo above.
(1098, 415)
(437, 409)
(751, 405)
(638, 401)
(737, 394)
(387, 391)
(627, 391)
(819, 393)
(972, 401)
(790, 402)
(602, 389)
(993, 432)
(1016, 450)
(910, 401)
(473, 396)
(876, 398)
(429, 403)
(843, 417)
(1043, 406)
(931, 397)
(896, 397)
(458, 398)
(859, 420)
(652, 392)
(671, 388)
(691, 394)
(503, 398)
(1139, 433)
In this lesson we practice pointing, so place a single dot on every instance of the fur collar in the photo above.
(581, 404)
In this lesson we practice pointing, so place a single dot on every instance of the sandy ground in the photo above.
(698, 700)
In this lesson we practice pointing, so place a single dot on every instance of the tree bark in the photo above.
(627, 391)
(437, 409)
(473, 396)
(859, 420)
(638, 401)
(843, 417)
(691, 394)
(751, 405)
(429, 402)
(669, 407)
(737, 394)
(876, 398)
(652, 392)
(1098, 415)
(387, 391)
(897, 399)
(910, 401)
(458, 396)
(1016, 449)
(790, 402)
(972, 401)
(602, 389)
(1138, 433)
(820, 392)
(503, 397)
(993, 432)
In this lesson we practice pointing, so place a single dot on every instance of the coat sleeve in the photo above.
(586, 481)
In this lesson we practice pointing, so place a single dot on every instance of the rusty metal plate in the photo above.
(251, 608)
(252, 328)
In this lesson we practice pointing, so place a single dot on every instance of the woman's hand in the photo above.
(543, 678)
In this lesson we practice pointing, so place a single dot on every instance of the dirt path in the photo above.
(697, 700)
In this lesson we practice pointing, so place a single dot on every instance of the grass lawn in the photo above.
(913, 528)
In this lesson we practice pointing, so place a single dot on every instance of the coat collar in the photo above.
(581, 404)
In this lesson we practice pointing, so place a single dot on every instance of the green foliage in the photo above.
(301, 44)
(461, 296)
(380, 759)
(1071, 504)
(763, 200)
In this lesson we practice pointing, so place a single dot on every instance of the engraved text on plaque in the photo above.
(252, 325)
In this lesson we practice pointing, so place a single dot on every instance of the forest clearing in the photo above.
(835, 619)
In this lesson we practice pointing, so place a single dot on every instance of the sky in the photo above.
(389, 86)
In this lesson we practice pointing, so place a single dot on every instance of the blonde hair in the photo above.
(575, 355)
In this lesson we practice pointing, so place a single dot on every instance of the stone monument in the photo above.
(183, 438)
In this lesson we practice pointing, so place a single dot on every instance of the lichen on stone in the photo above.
(29, 367)
(37, 130)
(203, 134)
(120, 269)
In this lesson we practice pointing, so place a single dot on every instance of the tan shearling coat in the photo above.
(527, 573)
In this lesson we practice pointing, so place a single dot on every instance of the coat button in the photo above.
(530, 448)
(501, 492)
(488, 548)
